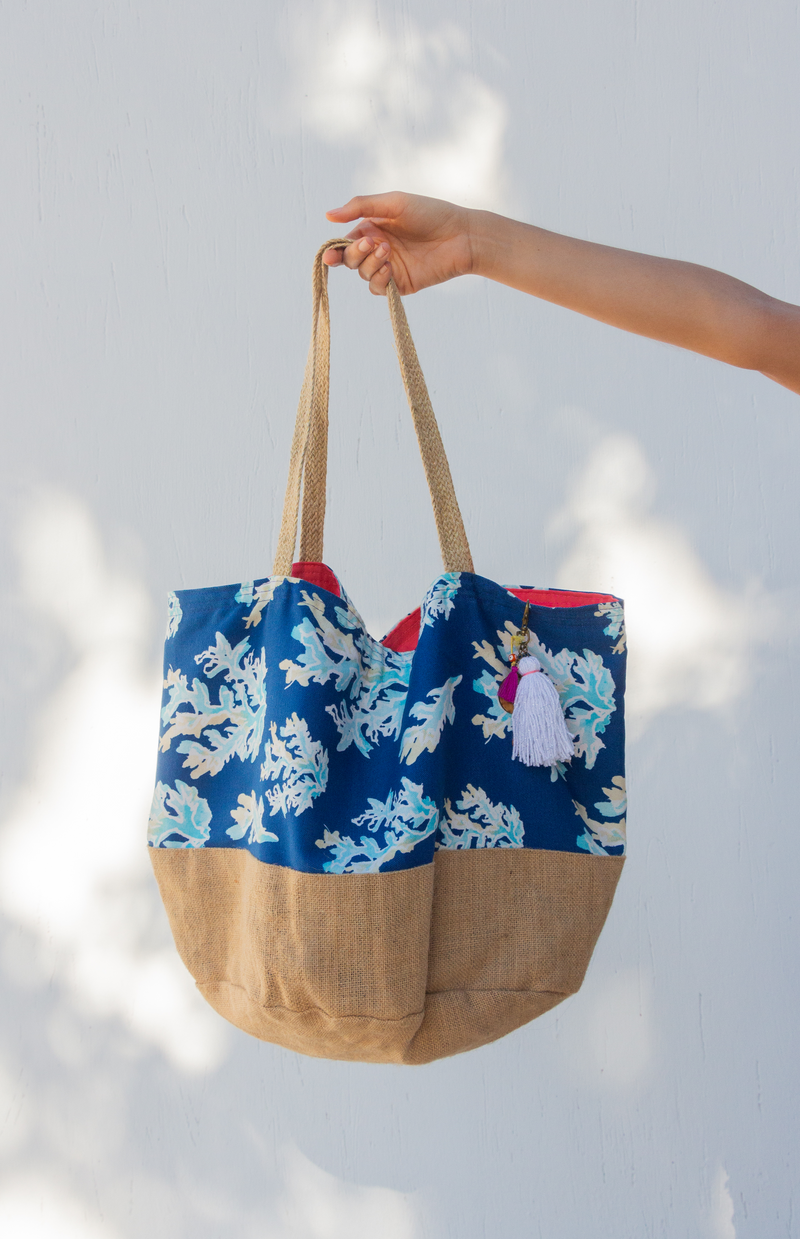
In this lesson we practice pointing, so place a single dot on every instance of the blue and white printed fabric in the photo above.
(289, 731)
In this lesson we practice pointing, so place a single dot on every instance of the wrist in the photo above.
(478, 232)
(490, 237)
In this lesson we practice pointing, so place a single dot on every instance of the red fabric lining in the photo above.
(317, 574)
(405, 635)
(561, 597)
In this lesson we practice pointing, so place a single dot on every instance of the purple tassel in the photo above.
(507, 692)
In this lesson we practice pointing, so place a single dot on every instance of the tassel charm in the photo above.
(507, 692)
(540, 732)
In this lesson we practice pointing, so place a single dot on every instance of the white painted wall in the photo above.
(166, 166)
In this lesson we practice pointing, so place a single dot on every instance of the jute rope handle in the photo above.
(320, 318)
(309, 450)
(456, 555)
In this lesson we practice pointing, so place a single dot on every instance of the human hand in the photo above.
(419, 241)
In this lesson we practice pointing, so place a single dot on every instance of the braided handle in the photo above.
(309, 451)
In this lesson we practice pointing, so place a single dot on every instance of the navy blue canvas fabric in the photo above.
(289, 731)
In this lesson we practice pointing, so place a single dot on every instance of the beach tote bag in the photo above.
(354, 863)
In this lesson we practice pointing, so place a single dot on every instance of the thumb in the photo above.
(382, 206)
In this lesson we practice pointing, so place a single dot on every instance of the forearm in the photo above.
(677, 302)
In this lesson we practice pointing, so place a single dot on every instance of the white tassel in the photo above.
(540, 732)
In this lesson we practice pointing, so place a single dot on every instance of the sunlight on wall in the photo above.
(619, 1029)
(688, 639)
(609, 1040)
(318, 1206)
(73, 863)
(721, 1213)
(16, 1109)
(418, 116)
(34, 1208)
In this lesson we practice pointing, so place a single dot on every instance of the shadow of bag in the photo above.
(353, 864)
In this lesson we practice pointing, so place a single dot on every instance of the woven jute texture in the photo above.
(309, 450)
(401, 967)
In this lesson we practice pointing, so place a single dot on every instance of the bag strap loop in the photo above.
(309, 451)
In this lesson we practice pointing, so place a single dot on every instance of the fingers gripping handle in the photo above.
(309, 450)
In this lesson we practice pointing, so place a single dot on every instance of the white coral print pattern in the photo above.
(347, 691)
(262, 596)
(174, 614)
(377, 678)
(586, 689)
(480, 823)
(439, 598)
(250, 817)
(178, 810)
(498, 721)
(598, 837)
(616, 624)
(297, 764)
(405, 818)
(234, 725)
(432, 716)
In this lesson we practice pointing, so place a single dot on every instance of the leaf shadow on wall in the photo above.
(93, 988)
(690, 639)
(409, 106)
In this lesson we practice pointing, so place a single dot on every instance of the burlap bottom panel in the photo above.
(386, 967)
